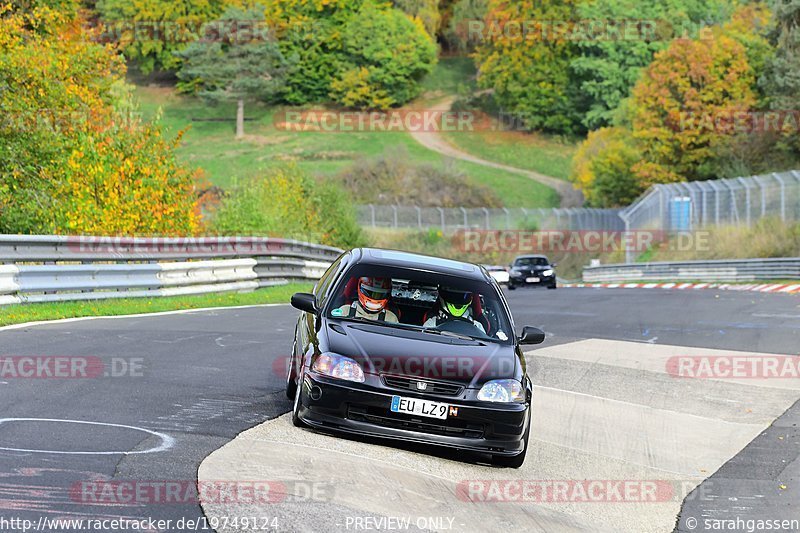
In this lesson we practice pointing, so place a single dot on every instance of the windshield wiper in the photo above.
(409, 327)
(453, 335)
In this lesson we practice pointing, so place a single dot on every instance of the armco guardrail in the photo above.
(743, 270)
(56, 268)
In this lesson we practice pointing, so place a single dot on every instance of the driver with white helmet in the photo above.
(372, 302)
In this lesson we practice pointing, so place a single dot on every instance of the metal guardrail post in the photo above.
(441, 214)
(419, 217)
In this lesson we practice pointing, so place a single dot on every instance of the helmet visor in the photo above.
(373, 290)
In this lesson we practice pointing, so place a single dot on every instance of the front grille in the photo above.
(450, 427)
(431, 387)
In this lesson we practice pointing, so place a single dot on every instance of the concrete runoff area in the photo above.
(577, 437)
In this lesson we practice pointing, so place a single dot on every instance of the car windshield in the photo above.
(424, 301)
(531, 261)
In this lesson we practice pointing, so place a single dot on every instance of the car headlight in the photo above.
(339, 367)
(502, 390)
(547, 273)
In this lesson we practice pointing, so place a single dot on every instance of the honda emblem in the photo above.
(421, 385)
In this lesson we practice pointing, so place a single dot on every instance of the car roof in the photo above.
(531, 257)
(395, 258)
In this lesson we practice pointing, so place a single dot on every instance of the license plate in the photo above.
(533, 280)
(415, 406)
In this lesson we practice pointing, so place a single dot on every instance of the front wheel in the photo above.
(512, 287)
(552, 287)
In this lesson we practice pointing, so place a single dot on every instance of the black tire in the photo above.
(296, 421)
(515, 461)
(552, 287)
(512, 287)
(291, 384)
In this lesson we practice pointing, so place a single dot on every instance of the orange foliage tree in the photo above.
(685, 106)
(72, 157)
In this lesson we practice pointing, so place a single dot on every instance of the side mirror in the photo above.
(305, 302)
(554, 265)
(531, 335)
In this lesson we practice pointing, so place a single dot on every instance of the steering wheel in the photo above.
(460, 326)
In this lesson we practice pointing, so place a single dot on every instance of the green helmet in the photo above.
(455, 303)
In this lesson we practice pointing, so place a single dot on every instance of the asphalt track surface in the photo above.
(604, 410)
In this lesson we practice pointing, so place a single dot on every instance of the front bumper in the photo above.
(522, 280)
(364, 410)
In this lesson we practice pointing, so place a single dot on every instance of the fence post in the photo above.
(394, 209)
(419, 216)
(716, 202)
(747, 198)
(783, 195)
(372, 210)
(628, 251)
(441, 215)
(763, 195)
(466, 220)
(508, 218)
(488, 223)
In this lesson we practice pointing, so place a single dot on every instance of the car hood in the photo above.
(390, 351)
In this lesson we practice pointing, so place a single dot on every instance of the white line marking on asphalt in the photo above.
(141, 315)
(637, 405)
(167, 442)
(770, 315)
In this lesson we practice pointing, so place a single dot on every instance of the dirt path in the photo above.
(570, 197)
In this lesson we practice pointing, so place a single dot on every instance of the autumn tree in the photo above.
(527, 64)
(602, 168)
(607, 67)
(781, 79)
(384, 55)
(360, 53)
(151, 31)
(427, 11)
(683, 106)
(240, 62)
(72, 157)
(464, 27)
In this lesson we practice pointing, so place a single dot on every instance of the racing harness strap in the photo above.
(354, 310)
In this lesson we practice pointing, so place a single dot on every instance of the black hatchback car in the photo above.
(532, 271)
(415, 348)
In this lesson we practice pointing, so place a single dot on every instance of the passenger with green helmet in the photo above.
(453, 305)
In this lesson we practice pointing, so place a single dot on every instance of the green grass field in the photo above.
(529, 151)
(209, 143)
(18, 314)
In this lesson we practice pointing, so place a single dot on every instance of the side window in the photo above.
(321, 288)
